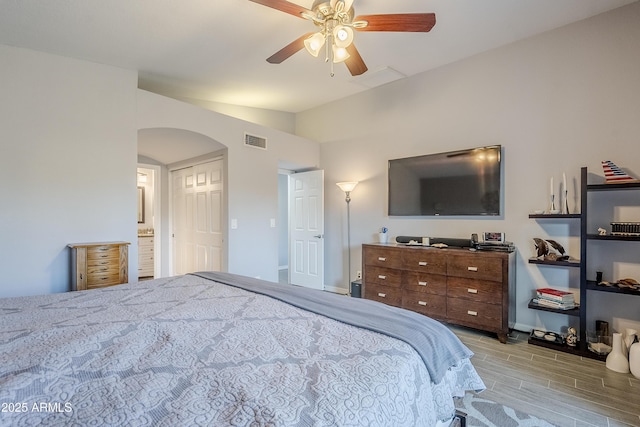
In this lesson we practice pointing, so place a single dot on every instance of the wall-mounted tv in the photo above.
(465, 182)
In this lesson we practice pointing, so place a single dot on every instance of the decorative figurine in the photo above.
(572, 337)
(602, 231)
(614, 175)
(544, 251)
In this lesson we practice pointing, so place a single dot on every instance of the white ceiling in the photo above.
(215, 50)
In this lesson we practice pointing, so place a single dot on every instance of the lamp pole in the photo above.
(348, 187)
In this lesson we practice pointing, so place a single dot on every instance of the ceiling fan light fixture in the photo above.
(342, 36)
(314, 43)
(340, 54)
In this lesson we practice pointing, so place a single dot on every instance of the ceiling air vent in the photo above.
(255, 141)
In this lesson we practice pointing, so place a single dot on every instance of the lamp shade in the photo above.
(314, 43)
(347, 186)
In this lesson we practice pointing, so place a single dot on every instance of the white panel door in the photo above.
(198, 218)
(306, 201)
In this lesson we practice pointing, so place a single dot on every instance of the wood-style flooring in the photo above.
(561, 388)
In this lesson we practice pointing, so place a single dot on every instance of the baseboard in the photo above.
(336, 290)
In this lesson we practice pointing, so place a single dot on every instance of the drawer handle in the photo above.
(103, 256)
(472, 313)
(380, 258)
(472, 268)
(422, 302)
(472, 291)
(381, 295)
(422, 263)
(380, 276)
(422, 283)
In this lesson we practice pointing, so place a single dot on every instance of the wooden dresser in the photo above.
(458, 286)
(145, 256)
(99, 264)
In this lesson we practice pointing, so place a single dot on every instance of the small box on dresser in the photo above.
(458, 286)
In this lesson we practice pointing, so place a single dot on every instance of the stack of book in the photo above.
(554, 298)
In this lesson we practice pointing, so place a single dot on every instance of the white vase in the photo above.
(634, 359)
(629, 337)
(382, 237)
(616, 360)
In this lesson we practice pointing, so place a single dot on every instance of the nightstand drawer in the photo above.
(386, 294)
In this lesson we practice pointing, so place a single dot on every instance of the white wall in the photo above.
(556, 102)
(252, 176)
(67, 165)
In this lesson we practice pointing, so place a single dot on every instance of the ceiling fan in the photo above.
(336, 22)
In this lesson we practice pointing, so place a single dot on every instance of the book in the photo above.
(553, 304)
(555, 295)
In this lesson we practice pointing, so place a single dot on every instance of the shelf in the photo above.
(570, 263)
(554, 216)
(567, 349)
(616, 238)
(571, 312)
(620, 186)
(592, 286)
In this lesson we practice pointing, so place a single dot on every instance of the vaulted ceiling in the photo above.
(215, 50)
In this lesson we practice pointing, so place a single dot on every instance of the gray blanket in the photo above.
(438, 346)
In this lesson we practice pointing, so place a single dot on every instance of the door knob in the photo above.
(318, 236)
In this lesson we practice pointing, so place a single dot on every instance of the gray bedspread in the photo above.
(189, 351)
(437, 345)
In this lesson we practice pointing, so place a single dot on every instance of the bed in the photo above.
(219, 349)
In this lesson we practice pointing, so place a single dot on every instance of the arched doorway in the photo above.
(193, 198)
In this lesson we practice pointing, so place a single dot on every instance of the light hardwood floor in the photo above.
(563, 389)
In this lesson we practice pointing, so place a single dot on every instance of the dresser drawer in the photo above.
(425, 283)
(103, 252)
(98, 280)
(382, 276)
(475, 267)
(425, 260)
(382, 257)
(475, 314)
(475, 290)
(386, 294)
(427, 304)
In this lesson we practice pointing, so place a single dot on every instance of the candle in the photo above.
(551, 187)
(564, 182)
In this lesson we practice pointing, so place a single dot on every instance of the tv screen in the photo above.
(465, 182)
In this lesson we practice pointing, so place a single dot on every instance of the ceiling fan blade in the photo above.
(410, 22)
(284, 6)
(354, 62)
(288, 50)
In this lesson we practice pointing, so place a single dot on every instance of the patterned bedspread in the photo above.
(190, 351)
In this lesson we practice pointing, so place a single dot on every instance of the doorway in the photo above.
(198, 217)
(304, 228)
(149, 220)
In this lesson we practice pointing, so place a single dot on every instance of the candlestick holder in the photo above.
(565, 207)
(552, 205)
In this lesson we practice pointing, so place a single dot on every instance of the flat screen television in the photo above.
(465, 182)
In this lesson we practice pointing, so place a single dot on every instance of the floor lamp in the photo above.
(348, 187)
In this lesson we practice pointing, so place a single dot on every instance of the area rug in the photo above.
(486, 413)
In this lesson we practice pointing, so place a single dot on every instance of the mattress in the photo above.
(192, 350)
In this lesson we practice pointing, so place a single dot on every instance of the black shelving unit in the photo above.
(586, 286)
